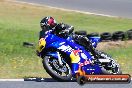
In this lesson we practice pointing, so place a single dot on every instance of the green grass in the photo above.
(20, 22)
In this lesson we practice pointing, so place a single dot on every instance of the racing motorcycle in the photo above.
(62, 57)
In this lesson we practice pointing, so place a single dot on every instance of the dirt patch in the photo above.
(114, 44)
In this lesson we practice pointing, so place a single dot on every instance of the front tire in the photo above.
(49, 65)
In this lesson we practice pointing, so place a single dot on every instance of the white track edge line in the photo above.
(65, 9)
(11, 79)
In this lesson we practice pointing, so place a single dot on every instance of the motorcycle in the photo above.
(62, 58)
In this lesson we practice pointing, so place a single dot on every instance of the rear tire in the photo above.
(129, 34)
(115, 68)
(106, 36)
(118, 35)
(94, 34)
(81, 33)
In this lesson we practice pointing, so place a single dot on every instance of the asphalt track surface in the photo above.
(50, 83)
(120, 8)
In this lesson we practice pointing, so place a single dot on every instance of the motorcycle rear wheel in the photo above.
(114, 69)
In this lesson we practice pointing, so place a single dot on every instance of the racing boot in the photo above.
(89, 47)
(84, 41)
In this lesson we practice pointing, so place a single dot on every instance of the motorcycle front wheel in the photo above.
(57, 72)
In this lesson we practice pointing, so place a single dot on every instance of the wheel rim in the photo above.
(63, 71)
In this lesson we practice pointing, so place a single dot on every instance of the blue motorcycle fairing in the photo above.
(95, 41)
(71, 42)
(62, 44)
(50, 38)
(92, 69)
(53, 54)
(69, 46)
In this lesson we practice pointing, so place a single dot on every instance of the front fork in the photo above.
(59, 59)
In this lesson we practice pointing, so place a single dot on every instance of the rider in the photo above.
(48, 24)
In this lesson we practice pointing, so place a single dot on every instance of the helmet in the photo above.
(48, 23)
